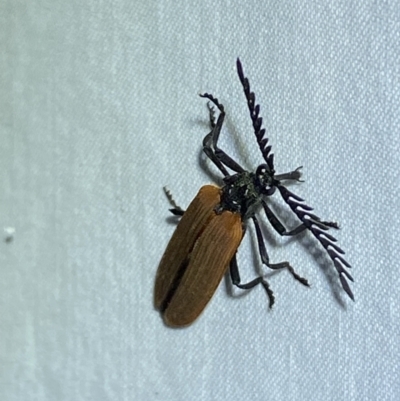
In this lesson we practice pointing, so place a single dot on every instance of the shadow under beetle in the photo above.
(209, 233)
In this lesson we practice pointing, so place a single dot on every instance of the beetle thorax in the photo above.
(242, 193)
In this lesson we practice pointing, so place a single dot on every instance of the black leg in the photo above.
(281, 230)
(211, 111)
(265, 258)
(278, 226)
(210, 147)
(235, 277)
(292, 175)
(176, 210)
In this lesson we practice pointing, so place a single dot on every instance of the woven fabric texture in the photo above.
(99, 109)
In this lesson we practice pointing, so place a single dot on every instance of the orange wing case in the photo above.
(196, 258)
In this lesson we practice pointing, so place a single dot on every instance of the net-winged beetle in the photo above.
(209, 233)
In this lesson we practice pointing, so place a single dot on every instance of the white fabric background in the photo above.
(99, 110)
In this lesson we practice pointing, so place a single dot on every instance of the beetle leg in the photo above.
(176, 209)
(211, 111)
(211, 155)
(278, 226)
(292, 175)
(265, 257)
(210, 147)
(281, 230)
(235, 277)
(177, 212)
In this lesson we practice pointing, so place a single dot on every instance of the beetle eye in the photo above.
(261, 169)
(269, 191)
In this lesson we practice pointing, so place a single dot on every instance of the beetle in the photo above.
(210, 231)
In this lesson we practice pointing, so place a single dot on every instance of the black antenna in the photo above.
(256, 119)
(319, 229)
